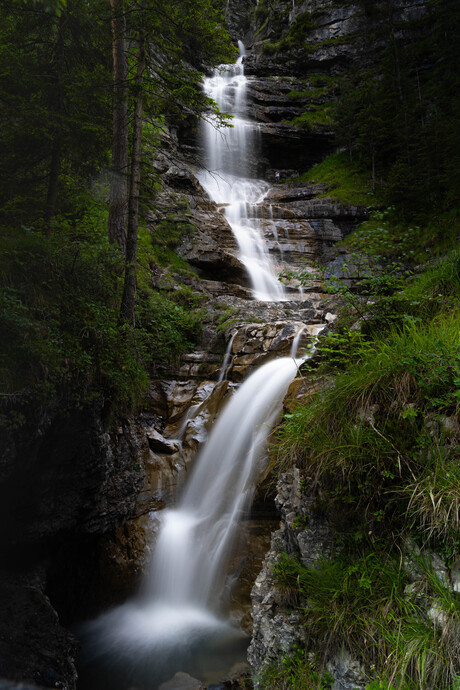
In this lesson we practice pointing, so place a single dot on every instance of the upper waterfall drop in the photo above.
(226, 176)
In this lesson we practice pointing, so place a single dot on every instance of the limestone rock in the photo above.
(34, 648)
(160, 444)
(276, 627)
(348, 673)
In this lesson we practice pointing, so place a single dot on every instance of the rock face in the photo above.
(328, 36)
(34, 642)
(277, 624)
(76, 483)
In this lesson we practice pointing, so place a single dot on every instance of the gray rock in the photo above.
(348, 673)
(276, 626)
(35, 650)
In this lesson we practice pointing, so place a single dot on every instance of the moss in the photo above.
(348, 183)
(315, 119)
(295, 36)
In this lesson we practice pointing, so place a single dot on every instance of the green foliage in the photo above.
(436, 289)
(294, 38)
(314, 119)
(360, 599)
(225, 319)
(171, 329)
(400, 118)
(358, 437)
(347, 182)
(60, 280)
(295, 672)
(59, 314)
(59, 325)
(165, 237)
(339, 350)
(60, 102)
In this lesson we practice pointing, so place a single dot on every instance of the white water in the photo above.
(296, 341)
(227, 359)
(226, 177)
(196, 538)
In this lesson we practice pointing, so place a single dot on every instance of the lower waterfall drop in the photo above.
(177, 622)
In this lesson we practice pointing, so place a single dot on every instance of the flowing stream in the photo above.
(226, 176)
(177, 622)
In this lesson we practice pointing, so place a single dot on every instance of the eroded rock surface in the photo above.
(277, 622)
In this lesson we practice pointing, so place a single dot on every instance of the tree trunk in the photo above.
(56, 152)
(128, 302)
(119, 182)
(53, 179)
(373, 165)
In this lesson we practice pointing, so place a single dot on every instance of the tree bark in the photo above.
(128, 302)
(119, 183)
(56, 152)
(53, 179)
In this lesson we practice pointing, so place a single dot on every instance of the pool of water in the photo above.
(142, 647)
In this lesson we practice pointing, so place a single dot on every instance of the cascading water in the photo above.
(176, 623)
(226, 176)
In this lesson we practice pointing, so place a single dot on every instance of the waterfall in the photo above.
(227, 179)
(295, 342)
(177, 621)
(196, 537)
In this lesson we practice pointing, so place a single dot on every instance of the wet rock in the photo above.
(245, 565)
(34, 648)
(160, 444)
(239, 677)
(182, 681)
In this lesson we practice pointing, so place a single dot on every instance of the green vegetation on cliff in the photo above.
(377, 437)
(377, 441)
(68, 201)
(399, 117)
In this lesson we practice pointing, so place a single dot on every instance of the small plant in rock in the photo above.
(296, 671)
(360, 596)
